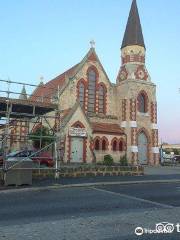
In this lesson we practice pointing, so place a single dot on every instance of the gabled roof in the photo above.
(92, 56)
(133, 33)
(109, 128)
(70, 112)
(51, 87)
(46, 91)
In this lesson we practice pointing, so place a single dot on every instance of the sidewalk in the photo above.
(152, 175)
(165, 170)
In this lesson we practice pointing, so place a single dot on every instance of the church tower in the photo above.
(137, 96)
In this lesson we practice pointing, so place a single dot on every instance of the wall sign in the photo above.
(77, 132)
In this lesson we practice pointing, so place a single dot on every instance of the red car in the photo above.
(1, 160)
(44, 158)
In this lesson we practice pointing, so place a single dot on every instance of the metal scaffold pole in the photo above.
(20, 118)
(57, 149)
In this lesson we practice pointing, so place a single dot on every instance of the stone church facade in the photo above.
(98, 117)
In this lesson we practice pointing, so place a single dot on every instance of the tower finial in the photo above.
(133, 34)
(92, 43)
(41, 79)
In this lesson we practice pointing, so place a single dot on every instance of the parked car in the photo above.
(177, 158)
(1, 158)
(43, 158)
(18, 155)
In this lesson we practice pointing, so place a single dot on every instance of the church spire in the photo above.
(23, 94)
(133, 34)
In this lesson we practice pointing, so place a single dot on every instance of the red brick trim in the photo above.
(78, 123)
(92, 67)
(92, 57)
(133, 106)
(124, 109)
(125, 74)
(153, 112)
(154, 138)
(133, 58)
(69, 149)
(141, 69)
(133, 136)
(84, 149)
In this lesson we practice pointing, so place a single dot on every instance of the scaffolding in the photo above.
(21, 114)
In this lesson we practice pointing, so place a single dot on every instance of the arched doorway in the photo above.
(142, 148)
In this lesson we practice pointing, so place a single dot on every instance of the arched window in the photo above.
(114, 146)
(81, 94)
(91, 90)
(142, 103)
(104, 145)
(120, 145)
(97, 144)
(102, 99)
(78, 124)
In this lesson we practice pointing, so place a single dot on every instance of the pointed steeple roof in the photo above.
(133, 34)
(23, 94)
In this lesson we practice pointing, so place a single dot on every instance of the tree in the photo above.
(41, 137)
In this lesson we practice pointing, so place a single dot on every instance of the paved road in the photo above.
(105, 212)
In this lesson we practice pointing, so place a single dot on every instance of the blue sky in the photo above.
(46, 37)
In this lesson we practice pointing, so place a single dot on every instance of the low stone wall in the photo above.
(90, 171)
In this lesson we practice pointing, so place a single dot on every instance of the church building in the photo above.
(98, 117)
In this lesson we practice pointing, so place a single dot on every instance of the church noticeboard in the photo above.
(77, 132)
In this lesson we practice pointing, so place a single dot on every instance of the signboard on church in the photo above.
(77, 132)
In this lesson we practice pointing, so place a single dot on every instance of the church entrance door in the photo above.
(142, 148)
(76, 149)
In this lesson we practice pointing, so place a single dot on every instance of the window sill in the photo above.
(143, 114)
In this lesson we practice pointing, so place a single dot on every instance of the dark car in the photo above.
(177, 158)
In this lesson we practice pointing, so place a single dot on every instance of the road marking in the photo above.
(134, 198)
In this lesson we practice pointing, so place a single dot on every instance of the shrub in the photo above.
(108, 160)
(124, 161)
